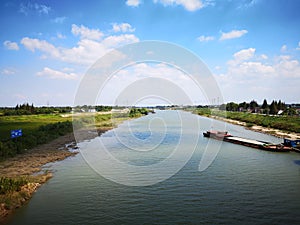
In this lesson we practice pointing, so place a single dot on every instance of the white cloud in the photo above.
(283, 48)
(59, 19)
(8, 71)
(252, 75)
(190, 5)
(61, 36)
(133, 3)
(247, 4)
(31, 8)
(11, 45)
(122, 27)
(244, 54)
(263, 56)
(233, 34)
(84, 32)
(298, 48)
(137, 72)
(85, 52)
(117, 41)
(55, 74)
(288, 67)
(203, 38)
(42, 45)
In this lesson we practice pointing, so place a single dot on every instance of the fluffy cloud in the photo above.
(11, 45)
(298, 48)
(233, 34)
(203, 38)
(30, 8)
(55, 74)
(8, 71)
(288, 67)
(33, 44)
(60, 36)
(59, 19)
(256, 76)
(84, 32)
(283, 48)
(137, 72)
(87, 50)
(122, 27)
(133, 3)
(190, 5)
(244, 54)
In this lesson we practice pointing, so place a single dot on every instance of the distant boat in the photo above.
(225, 136)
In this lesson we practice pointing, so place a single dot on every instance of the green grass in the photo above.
(28, 123)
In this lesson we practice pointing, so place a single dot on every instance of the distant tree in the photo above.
(243, 105)
(265, 105)
(231, 106)
(253, 104)
(273, 108)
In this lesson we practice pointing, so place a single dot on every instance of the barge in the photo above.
(225, 136)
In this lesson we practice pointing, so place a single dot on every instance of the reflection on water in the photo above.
(241, 186)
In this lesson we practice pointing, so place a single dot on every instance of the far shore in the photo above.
(265, 130)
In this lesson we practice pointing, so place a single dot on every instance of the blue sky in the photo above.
(252, 47)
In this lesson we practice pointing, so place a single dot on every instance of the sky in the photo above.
(252, 47)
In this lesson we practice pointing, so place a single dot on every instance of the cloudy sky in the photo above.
(252, 47)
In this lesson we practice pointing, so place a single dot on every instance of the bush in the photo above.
(9, 185)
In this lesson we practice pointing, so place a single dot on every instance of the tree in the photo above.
(244, 105)
(265, 104)
(231, 106)
(253, 104)
(273, 108)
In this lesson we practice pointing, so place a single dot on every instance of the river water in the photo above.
(241, 185)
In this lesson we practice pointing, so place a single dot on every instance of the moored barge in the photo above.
(225, 136)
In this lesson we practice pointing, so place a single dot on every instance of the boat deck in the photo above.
(245, 140)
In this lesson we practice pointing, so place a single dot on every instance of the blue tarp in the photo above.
(292, 143)
(16, 133)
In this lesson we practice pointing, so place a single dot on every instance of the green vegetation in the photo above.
(33, 134)
(9, 185)
(26, 109)
(283, 122)
(136, 112)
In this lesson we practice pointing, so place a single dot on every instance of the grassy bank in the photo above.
(285, 123)
(37, 129)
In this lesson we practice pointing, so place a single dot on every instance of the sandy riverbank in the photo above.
(265, 130)
(29, 165)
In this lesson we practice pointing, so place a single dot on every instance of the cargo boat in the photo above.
(225, 136)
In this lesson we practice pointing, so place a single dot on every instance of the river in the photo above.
(241, 185)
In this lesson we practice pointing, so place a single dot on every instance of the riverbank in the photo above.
(271, 131)
(29, 166)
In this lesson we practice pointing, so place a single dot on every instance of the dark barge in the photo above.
(225, 136)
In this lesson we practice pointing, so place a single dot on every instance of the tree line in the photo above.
(30, 109)
(274, 108)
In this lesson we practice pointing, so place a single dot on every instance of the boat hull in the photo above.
(224, 136)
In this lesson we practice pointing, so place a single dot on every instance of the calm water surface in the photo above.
(241, 186)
